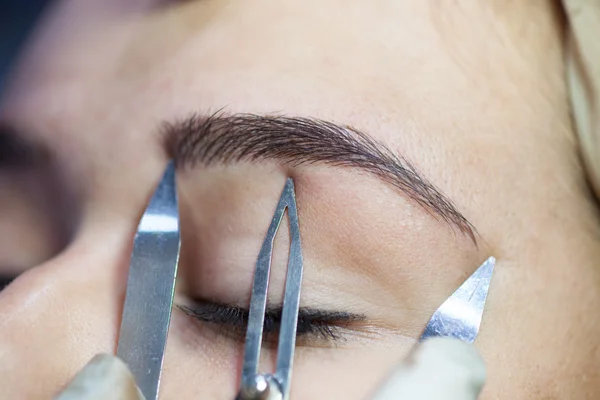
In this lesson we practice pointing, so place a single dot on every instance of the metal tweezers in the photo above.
(460, 315)
(255, 386)
(151, 286)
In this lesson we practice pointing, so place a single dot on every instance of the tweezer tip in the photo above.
(479, 281)
(487, 267)
(461, 314)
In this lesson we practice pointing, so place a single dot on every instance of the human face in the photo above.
(472, 96)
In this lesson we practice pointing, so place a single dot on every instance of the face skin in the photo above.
(472, 95)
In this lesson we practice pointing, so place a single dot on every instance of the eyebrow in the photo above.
(223, 138)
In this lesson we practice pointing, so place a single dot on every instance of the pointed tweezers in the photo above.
(150, 287)
(277, 385)
(460, 315)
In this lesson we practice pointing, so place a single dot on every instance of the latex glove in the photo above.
(583, 73)
(105, 377)
(438, 369)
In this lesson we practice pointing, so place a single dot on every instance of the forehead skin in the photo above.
(472, 94)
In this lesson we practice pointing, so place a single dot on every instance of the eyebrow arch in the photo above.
(229, 138)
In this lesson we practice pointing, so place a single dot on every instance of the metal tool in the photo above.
(256, 386)
(150, 287)
(460, 315)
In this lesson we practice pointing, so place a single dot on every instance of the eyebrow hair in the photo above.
(229, 138)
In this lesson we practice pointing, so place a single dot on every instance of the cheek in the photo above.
(344, 373)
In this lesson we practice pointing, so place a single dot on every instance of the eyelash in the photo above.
(323, 326)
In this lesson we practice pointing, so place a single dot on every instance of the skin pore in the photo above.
(471, 93)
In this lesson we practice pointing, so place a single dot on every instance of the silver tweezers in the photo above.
(460, 315)
(256, 386)
(151, 286)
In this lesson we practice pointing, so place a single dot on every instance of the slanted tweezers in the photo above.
(460, 315)
(277, 385)
(150, 287)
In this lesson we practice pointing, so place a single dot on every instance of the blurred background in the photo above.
(31, 196)
(17, 18)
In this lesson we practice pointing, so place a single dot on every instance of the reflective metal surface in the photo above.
(460, 315)
(150, 287)
(251, 388)
(265, 387)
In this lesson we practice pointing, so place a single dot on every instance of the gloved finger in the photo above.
(105, 377)
(438, 369)
(583, 73)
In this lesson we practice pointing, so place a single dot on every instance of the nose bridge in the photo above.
(56, 316)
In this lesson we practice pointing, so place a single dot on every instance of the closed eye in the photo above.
(314, 326)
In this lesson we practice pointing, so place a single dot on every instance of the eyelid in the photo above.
(315, 327)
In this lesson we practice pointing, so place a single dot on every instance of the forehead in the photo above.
(399, 62)
(384, 65)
